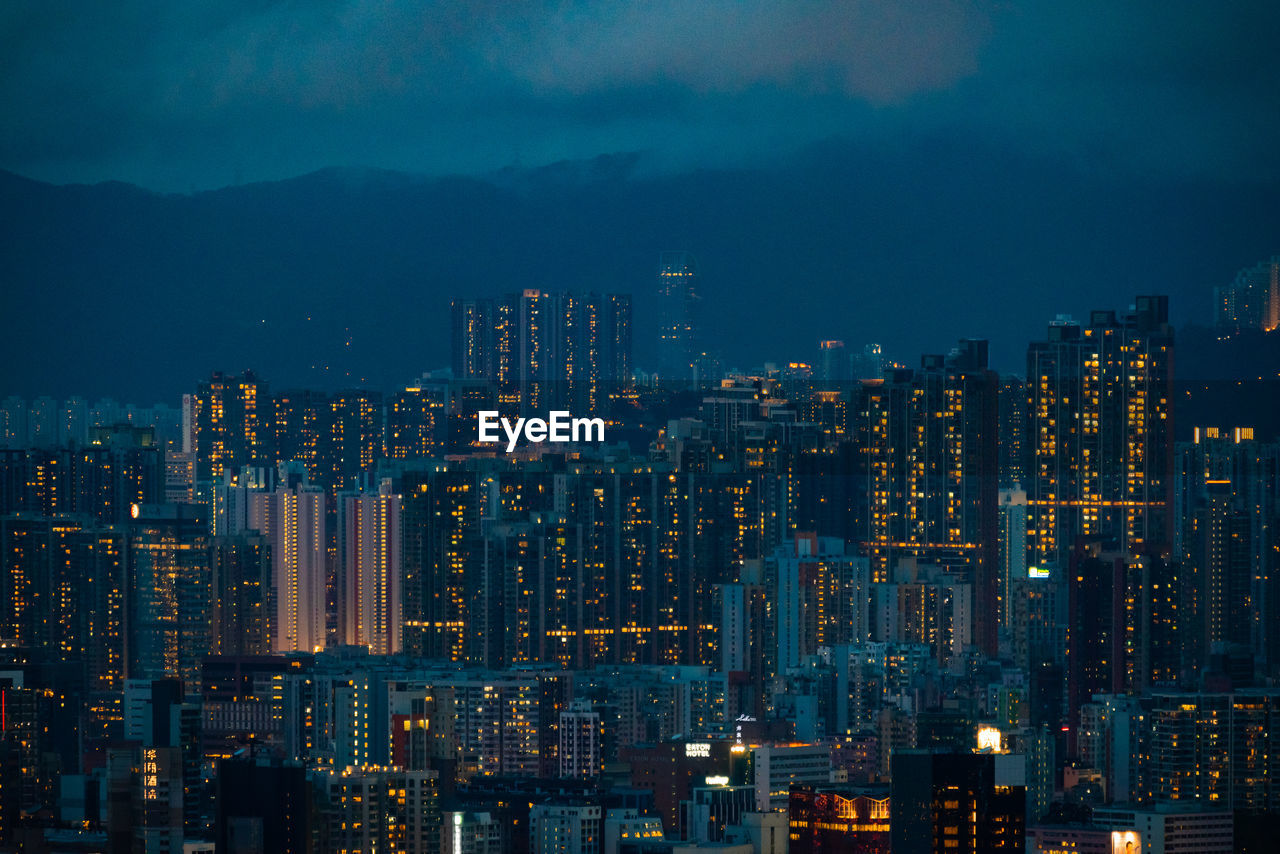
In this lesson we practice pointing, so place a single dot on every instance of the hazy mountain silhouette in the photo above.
(111, 289)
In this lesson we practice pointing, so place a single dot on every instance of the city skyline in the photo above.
(698, 425)
(802, 550)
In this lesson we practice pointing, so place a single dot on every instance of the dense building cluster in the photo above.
(1251, 302)
(841, 606)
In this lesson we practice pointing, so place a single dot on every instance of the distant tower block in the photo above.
(679, 309)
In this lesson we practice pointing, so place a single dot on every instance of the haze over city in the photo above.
(906, 172)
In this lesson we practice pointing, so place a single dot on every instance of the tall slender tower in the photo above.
(678, 305)
(1100, 431)
(370, 610)
(292, 519)
(932, 472)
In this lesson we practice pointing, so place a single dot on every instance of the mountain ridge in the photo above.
(112, 289)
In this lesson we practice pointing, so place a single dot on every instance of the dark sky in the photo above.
(908, 172)
(175, 96)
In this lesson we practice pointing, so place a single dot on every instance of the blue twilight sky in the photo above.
(906, 172)
(197, 95)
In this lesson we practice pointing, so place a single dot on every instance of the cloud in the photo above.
(881, 52)
(174, 95)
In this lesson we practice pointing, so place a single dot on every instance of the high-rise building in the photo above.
(73, 423)
(42, 423)
(833, 362)
(931, 472)
(533, 565)
(102, 481)
(1101, 434)
(415, 424)
(442, 510)
(1112, 739)
(544, 349)
(149, 798)
(565, 828)
(179, 478)
(380, 809)
(1215, 749)
(263, 807)
(822, 597)
(13, 422)
(473, 339)
(231, 420)
(1131, 625)
(778, 767)
(679, 316)
(471, 833)
(301, 423)
(1013, 547)
(581, 742)
(868, 364)
(337, 437)
(1013, 427)
(963, 802)
(258, 701)
(371, 570)
(355, 439)
(470, 723)
(156, 718)
(1096, 651)
(1227, 508)
(292, 520)
(63, 582)
(243, 596)
(169, 614)
(1168, 828)
(616, 340)
(1252, 301)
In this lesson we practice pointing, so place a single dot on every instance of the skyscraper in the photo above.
(13, 422)
(62, 580)
(103, 480)
(1013, 426)
(293, 521)
(355, 437)
(679, 318)
(441, 535)
(963, 802)
(822, 597)
(230, 416)
(1100, 432)
(834, 364)
(415, 423)
(242, 595)
(1013, 547)
(371, 570)
(473, 339)
(169, 614)
(381, 809)
(263, 806)
(1215, 749)
(931, 477)
(1227, 507)
(1251, 302)
(543, 348)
